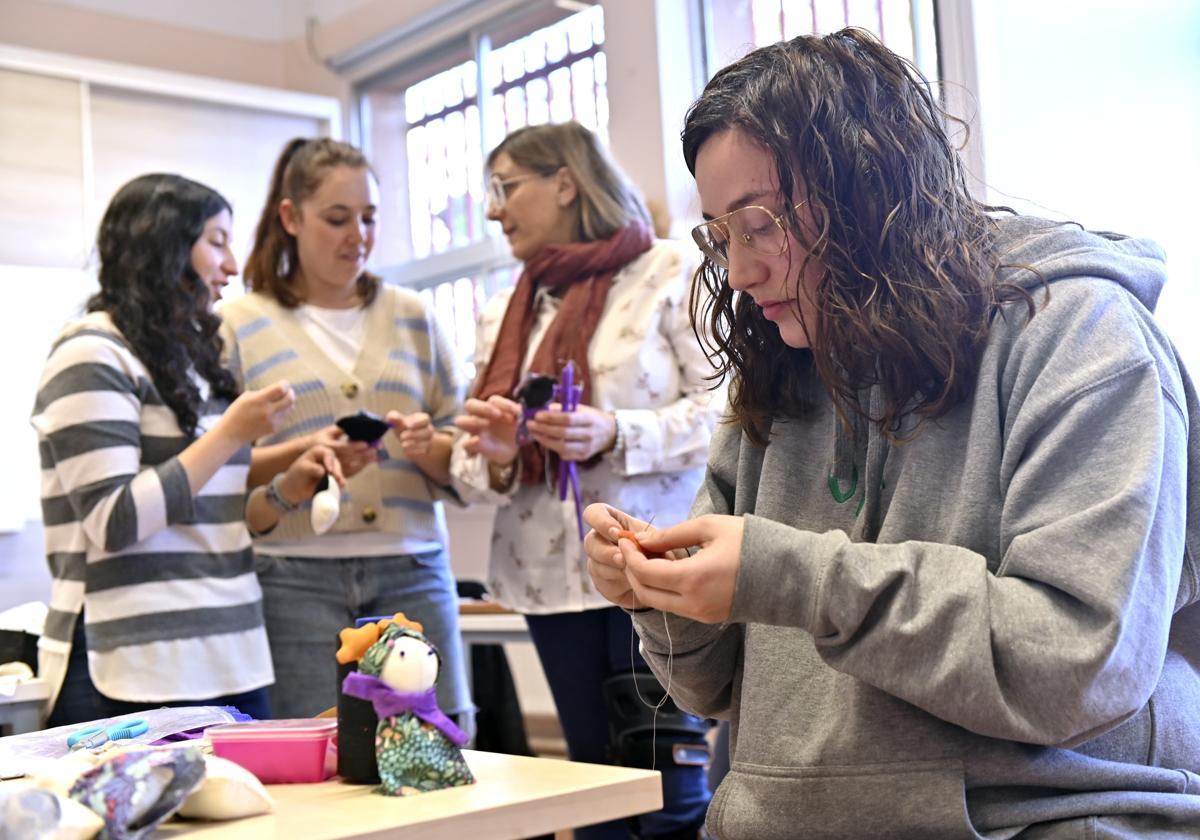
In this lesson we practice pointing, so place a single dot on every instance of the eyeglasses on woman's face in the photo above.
(499, 189)
(754, 227)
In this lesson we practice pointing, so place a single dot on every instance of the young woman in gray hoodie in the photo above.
(941, 577)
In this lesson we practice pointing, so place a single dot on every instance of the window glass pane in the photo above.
(465, 314)
(775, 20)
(535, 52)
(417, 200)
(537, 101)
(427, 141)
(497, 125)
(514, 108)
(865, 13)
(512, 61)
(556, 44)
(583, 90)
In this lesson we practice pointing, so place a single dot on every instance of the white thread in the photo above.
(667, 688)
(633, 673)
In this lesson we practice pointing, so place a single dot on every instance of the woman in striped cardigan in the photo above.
(144, 444)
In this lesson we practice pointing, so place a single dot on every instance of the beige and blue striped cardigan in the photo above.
(407, 363)
(165, 580)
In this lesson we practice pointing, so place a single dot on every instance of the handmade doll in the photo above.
(416, 745)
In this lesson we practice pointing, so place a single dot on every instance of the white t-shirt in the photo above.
(339, 332)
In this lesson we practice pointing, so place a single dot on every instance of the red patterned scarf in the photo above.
(584, 271)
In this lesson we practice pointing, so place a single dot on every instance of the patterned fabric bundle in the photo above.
(136, 791)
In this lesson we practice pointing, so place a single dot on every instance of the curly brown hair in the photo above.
(153, 294)
(909, 263)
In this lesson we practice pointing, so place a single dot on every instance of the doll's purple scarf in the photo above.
(388, 702)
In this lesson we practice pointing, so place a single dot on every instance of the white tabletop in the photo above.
(513, 797)
(28, 691)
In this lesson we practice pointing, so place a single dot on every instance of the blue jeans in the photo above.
(579, 651)
(306, 601)
(80, 701)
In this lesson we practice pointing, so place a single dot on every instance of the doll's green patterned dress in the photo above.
(415, 756)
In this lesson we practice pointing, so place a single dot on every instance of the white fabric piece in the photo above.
(229, 792)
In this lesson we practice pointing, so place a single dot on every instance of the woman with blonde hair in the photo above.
(599, 292)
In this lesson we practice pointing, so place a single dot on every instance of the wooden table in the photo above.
(482, 622)
(513, 797)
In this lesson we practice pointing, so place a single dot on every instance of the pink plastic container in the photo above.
(277, 751)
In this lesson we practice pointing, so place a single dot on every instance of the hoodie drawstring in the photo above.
(846, 480)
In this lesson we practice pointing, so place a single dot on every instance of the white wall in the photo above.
(653, 76)
(1091, 111)
(26, 333)
(262, 20)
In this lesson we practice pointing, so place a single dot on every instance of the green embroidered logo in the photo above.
(835, 489)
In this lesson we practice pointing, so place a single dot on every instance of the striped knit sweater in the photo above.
(166, 581)
(407, 363)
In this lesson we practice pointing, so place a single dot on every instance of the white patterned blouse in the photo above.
(650, 370)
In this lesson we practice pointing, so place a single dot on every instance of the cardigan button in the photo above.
(350, 389)
(368, 515)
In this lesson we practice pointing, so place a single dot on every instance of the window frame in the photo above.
(482, 261)
(474, 42)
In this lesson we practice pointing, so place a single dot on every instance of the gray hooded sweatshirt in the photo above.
(988, 631)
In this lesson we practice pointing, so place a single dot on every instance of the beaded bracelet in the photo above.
(276, 499)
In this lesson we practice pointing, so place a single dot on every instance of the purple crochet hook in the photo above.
(568, 396)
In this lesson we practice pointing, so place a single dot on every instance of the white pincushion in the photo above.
(325, 507)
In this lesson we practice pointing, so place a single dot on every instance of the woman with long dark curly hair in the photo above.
(941, 577)
(145, 447)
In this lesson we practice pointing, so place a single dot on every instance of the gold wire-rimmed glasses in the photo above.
(754, 227)
(498, 188)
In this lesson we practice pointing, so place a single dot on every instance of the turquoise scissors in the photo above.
(95, 736)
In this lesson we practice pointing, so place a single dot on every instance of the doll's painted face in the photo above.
(411, 665)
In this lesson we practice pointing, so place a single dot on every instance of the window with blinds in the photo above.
(71, 134)
(67, 145)
(229, 148)
(41, 171)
